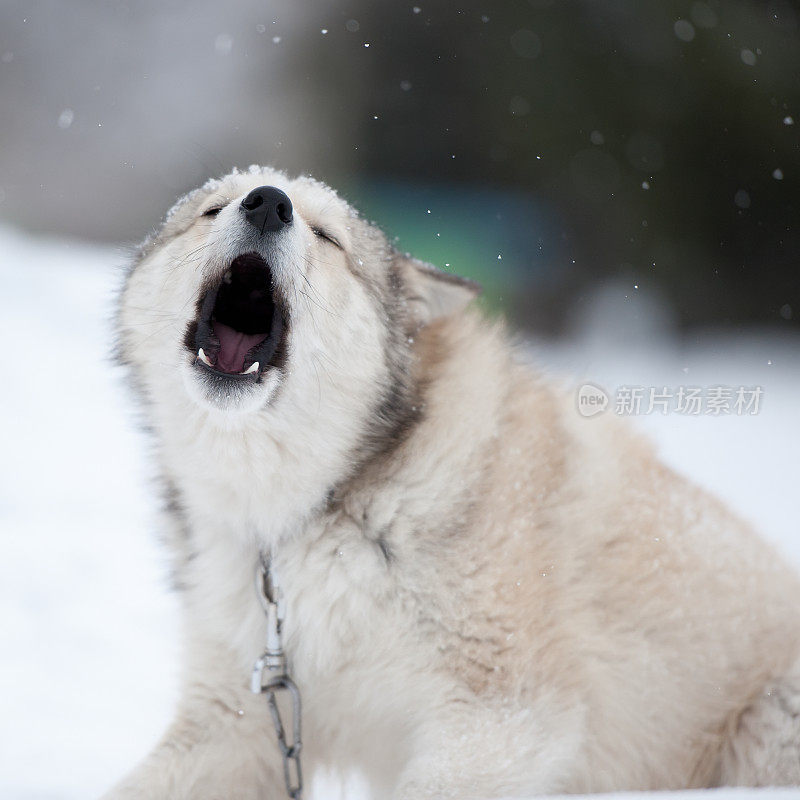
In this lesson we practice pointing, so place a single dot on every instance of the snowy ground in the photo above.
(89, 663)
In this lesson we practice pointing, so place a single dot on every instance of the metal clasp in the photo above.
(273, 659)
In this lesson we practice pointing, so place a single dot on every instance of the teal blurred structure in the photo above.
(500, 238)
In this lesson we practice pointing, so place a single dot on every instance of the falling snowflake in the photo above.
(65, 118)
(684, 30)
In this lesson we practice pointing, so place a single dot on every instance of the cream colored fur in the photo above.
(502, 599)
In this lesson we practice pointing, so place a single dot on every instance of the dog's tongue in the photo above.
(233, 346)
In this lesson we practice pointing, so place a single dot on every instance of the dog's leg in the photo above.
(763, 745)
(221, 746)
(475, 754)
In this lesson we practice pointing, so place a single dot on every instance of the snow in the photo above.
(89, 665)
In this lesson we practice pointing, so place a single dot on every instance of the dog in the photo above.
(479, 592)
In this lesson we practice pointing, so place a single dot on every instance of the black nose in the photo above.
(267, 208)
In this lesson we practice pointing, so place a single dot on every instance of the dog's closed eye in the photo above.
(326, 236)
(212, 212)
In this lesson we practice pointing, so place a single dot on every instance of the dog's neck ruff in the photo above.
(270, 676)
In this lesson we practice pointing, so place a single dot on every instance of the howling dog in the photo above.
(384, 524)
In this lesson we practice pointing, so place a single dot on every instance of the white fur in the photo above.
(558, 612)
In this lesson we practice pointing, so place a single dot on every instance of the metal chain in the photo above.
(270, 677)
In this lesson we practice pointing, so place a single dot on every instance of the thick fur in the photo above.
(487, 594)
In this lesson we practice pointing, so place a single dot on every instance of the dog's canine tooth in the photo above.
(203, 357)
(252, 368)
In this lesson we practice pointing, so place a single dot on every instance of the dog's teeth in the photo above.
(203, 357)
(252, 368)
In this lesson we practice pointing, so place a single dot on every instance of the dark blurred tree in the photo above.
(664, 134)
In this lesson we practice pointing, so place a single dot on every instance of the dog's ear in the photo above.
(433, 293)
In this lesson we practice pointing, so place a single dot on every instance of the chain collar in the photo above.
(270, 676)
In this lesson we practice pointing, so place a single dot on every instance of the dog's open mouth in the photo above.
(240, 327)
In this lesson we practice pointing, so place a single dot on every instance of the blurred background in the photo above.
(545, 148)
(621, 176)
